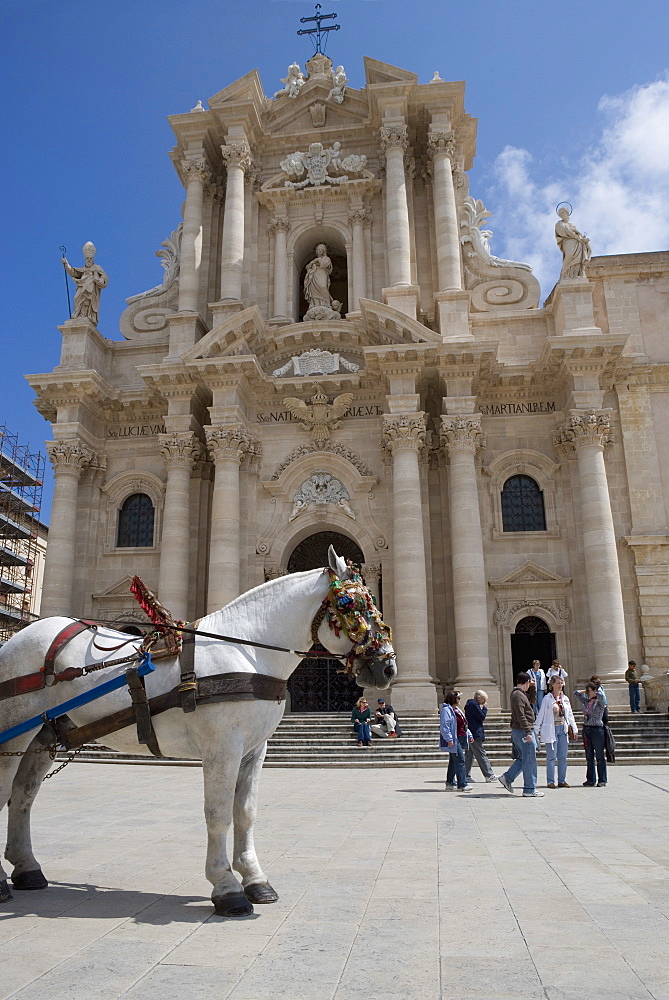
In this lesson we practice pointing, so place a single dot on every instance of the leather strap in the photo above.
(61, 640)
(36, 681)
(188, 687)
(218, 688)
(140, 705)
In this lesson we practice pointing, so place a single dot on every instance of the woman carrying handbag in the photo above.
(555, 726)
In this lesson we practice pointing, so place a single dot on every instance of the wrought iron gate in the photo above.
(317, 686)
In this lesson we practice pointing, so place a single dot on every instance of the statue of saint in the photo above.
(575, 246)
(317, 279)
(89, 279)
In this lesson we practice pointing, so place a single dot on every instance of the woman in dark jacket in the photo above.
(360, 717)
(476, 710)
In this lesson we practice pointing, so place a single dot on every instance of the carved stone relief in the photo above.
(320, 489)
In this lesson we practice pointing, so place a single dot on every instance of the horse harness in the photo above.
(191, 690)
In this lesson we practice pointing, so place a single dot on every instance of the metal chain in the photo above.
(51, 749)
(69, 760)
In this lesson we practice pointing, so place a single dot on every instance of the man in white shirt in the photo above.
(539, 678)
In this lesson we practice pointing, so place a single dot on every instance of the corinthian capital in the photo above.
(68, 457)
(394, 137)
(441, 142)
(180, 451)
(197, 169)
(237, 154)
(359, 216)
(405, 432)
(278, 226)
(590, 427)
(462, 433)
(228, 444)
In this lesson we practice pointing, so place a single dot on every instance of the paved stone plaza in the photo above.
(390, 888)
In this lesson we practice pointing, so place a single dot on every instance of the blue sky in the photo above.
(572, 99)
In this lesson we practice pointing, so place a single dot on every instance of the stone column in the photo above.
(238, 160)
(68, 458)
(372, 576)
(441, 150)
(414, 691)
(461, 437)
(179, 451)
(587, 433)
(227, 445)
(394, 144)
(357, 220)
(197, 174)
(279, 229)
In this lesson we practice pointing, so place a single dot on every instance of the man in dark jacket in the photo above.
(522, 735)
(476, 710)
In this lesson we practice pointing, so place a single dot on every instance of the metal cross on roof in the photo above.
(318, 31)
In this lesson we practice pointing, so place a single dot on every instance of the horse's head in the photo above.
(350, 624)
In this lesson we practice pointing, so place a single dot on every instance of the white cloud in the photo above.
(619, 188)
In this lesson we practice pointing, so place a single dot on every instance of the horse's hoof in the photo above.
(5, 892)
(29, 880)
(261, 892)
(235, 904)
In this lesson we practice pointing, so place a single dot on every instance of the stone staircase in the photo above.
(325, 740)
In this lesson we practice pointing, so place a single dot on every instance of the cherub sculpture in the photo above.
(320, 417)
(293, 82)
(339, 81)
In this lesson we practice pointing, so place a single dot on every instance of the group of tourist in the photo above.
(385, 723)
(541, 712)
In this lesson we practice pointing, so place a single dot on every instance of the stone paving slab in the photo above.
(391, 888)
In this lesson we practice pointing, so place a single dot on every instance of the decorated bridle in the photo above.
(348, 607)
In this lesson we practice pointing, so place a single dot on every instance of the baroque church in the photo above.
(336, 356)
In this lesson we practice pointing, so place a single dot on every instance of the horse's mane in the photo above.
(256, 605)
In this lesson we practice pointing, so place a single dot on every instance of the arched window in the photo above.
(523, 505)
(135, 522)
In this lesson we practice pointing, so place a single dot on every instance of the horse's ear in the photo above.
(337, 564)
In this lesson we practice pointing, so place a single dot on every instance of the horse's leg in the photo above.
(27, 873)
(245, 860)
(8, 768)
(220, 777)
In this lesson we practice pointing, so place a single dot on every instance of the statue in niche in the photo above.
(89, 279)
(317, 287)
(293, 82)
(339, 81)
(575, 246)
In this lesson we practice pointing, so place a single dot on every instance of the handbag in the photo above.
(571, 732)
(609, 745)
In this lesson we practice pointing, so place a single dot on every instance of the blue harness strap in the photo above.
(99, 691)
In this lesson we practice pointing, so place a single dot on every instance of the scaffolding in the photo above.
(21, 485)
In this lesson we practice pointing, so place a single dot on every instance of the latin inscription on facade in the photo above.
(136, 430)
(286, 417)
(508, 409)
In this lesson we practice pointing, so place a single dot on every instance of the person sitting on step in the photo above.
(386, 724)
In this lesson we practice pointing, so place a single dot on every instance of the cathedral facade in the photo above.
(335, 355)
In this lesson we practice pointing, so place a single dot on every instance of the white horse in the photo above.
(229, 737)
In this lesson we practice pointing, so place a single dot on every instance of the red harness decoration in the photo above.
(35, 682)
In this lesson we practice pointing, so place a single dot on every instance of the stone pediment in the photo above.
(313, 109)
(242, 333)
(533, 575)
(381, 72)
(119, 589)
(247, 88)
(386, 325)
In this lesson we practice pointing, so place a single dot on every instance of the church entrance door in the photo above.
(532, 640)
(317, 685)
